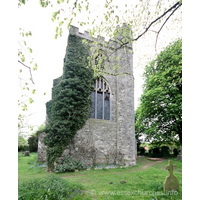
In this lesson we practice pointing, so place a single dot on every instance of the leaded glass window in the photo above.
(100, 100)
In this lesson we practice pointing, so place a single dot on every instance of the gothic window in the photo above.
(100, 59)
(100, 104)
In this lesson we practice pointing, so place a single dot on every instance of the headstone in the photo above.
(179, 157)
(171, 182)
(26, 153)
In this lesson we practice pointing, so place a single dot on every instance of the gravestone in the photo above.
(26, 153)
(171, 182)
(179, 157)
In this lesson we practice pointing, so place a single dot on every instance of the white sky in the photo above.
(49, 54)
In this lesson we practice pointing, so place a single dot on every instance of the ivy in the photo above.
(70, 105)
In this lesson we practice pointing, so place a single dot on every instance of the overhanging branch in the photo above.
(175, 7)
(165, 23)
(29, 70)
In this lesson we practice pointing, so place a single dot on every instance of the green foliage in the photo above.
(70, 104)
(33, 143)
(141, 151)
(25, 81)
(57, 81)
(159, 114)
(69, 165)
(48, 110)
(23, 148)
(175, 151)
(21, 141)
(51, 187)
(41, 127)
(164, 151)
(156, 151)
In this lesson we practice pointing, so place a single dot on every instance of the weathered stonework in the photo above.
(171, 182)
(41, 149)
(107, 141)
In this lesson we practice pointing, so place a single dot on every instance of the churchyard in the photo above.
(100, 156)
(143, 181)
(96, 142)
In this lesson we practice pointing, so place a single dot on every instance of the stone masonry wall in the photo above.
(107, 141)
(41, 149)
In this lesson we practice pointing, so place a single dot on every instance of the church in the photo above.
(109, 134)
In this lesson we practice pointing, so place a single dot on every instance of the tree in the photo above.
(25, 78)
(159, 114)
(22, 143)
(142, 16)
(33, 143)
(70, 104)
(26, 66)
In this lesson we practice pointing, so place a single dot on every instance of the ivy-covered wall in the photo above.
(69, 108)
(106, 141)
(49, 103)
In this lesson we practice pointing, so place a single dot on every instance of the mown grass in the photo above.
(26, 169)
(105, 183)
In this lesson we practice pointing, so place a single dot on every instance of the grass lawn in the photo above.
(143, 181)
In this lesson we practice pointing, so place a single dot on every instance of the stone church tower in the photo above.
(109, 134)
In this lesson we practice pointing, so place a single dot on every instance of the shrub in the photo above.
(138, 145)
(141, 150)
(50, 188)
(69, 165)
(33, 143)
(22, 143)
(175, 151)
(154, 152)
(23, 148)
(164, 151)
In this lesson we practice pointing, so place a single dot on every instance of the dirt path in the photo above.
(153, 163)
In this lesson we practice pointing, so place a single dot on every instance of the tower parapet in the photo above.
(123, 32)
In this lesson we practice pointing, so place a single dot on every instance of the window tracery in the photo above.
(100, 100)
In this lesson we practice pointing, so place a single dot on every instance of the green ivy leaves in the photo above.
(69, 108)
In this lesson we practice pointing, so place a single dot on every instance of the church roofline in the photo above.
(111, 43)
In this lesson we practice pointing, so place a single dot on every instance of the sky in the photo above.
(49, 53)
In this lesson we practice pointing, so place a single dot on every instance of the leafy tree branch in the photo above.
(29, 70)
(174, 8)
